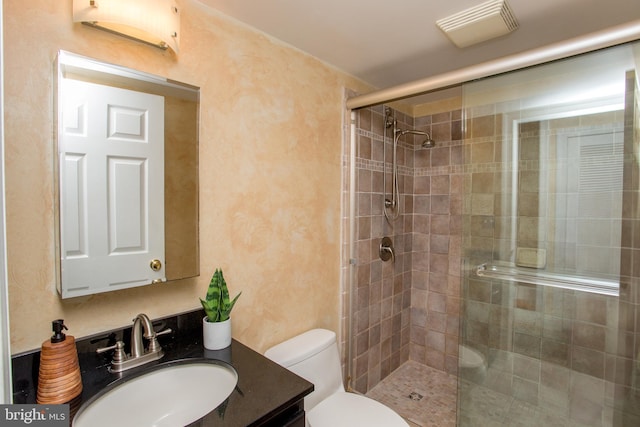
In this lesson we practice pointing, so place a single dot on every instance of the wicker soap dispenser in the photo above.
(59, 379)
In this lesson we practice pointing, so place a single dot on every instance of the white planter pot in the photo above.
(216, 335)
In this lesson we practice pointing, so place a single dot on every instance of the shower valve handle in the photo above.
(386, 251)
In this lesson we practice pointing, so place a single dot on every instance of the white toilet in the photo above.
(470, 358)
(314, 356)
(472, 364)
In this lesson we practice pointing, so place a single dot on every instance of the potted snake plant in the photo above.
(216, 325)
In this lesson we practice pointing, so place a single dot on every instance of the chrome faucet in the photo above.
(121, 361)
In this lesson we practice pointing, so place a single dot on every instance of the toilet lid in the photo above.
(343, 409)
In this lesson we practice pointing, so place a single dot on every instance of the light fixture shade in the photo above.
(156, 22)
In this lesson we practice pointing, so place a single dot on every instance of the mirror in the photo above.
(126, 177)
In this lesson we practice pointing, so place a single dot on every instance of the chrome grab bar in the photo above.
(543, 278)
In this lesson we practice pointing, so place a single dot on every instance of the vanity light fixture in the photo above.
(155, 22)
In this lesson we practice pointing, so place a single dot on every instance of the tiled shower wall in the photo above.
(408, 308)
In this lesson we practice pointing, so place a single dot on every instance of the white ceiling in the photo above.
(386, 43)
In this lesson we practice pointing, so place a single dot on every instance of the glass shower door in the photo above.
(552, 246)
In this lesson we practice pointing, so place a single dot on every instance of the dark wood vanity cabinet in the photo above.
(290, 416)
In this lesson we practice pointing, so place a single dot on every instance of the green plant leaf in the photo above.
(217, 304)
(213, 293)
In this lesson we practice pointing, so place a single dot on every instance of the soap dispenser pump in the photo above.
(59, 379)
(58, 335)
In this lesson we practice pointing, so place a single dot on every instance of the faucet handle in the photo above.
(154, 345)
(118, 355)
(164, 332)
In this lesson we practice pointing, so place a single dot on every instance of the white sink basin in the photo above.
(170, 395)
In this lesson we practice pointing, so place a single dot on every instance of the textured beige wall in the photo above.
(270, 166)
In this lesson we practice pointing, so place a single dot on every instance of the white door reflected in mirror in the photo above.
(111, 153)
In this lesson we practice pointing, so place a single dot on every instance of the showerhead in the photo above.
(427, 143)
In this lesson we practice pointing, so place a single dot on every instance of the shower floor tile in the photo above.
(424, 396)
(427, 397)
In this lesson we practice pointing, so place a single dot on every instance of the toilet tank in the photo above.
(314, 356)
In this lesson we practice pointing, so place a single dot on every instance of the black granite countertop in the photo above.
(263, 392)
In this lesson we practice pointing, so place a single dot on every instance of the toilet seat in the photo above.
(343, 409)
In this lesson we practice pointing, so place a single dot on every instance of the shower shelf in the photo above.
(542, 278)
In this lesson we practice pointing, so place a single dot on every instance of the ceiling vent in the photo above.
(486, 21)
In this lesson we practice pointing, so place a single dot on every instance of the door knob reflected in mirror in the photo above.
(155, 265)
